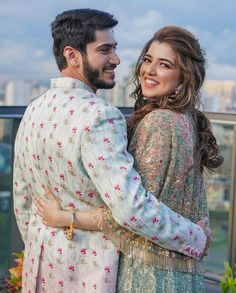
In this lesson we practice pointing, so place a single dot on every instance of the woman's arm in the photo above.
(54, 216)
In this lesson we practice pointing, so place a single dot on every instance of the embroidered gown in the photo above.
(163, 148)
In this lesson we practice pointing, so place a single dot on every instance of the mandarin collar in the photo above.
(69, 82)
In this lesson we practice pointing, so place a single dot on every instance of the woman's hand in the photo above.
(51, 211)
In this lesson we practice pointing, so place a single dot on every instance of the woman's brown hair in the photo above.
(192, 62)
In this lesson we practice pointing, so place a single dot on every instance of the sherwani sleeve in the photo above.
(110, 167)
(22, 199)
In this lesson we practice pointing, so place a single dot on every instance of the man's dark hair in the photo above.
(76, 28)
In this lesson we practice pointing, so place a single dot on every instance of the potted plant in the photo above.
(228, 282)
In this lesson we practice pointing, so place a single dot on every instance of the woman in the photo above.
(172, 144)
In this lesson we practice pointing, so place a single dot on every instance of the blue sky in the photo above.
(25, 39)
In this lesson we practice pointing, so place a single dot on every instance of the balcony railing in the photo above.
(221, 192)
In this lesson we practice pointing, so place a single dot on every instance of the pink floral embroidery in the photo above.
(59, 143)
(94, 252)
(83, 251)
(155, 220)
(105, 237)
(133, 219)
(107, 270)
(72, 205)
(59, 250)
(78, 192)
(101, 158)
(26, 197)
(72, 268)
(90, 194)
(106, 140)
(62, 176)
(74, 129)
(117, 187)
(71, 111)
(123, 168)
(187, 248)
(53, 233)
(87, 129)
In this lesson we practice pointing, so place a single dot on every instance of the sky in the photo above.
(25, 37)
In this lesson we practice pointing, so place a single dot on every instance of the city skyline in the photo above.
(26, 42)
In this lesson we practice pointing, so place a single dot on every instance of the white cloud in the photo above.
(221, 71)
(136, 31)
(39, 53)
(26, 44)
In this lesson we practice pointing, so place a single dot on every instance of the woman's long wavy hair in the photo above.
(192, 62)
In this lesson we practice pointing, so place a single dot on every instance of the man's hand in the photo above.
(204, 224)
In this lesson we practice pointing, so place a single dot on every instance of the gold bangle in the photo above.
(69, 231)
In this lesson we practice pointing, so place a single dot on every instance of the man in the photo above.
(76, 143)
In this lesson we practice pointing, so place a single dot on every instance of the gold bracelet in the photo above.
(69, 231)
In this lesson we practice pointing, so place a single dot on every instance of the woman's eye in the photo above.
(164, 65)
(146, 60)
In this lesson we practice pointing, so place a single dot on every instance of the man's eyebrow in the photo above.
(109, 45)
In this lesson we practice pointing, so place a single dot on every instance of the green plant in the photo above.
(228, 282)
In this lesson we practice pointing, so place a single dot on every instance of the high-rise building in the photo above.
(219, 95)
(18, 93)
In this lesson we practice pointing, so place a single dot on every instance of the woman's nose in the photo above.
(151, 69)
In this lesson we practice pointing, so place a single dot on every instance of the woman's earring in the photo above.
(178, 89)
(172, 97)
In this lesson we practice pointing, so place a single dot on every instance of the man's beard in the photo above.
(92, 75)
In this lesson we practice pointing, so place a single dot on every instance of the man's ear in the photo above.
(73, 56)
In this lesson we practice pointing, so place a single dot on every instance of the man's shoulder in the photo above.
(100, 105)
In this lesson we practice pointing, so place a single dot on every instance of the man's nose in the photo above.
(114, 59)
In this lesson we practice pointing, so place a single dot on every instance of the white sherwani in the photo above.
(76, 143)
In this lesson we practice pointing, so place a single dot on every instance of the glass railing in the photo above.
(221, 192)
